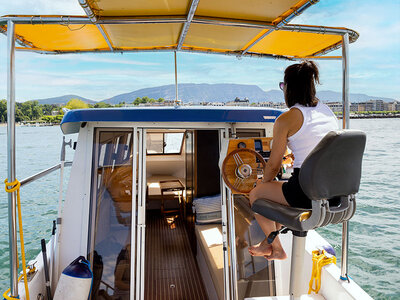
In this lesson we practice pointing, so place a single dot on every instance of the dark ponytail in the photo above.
(300, 82)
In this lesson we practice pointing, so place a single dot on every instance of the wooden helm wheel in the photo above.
(240, 169)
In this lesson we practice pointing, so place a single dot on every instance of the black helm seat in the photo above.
(329, 176)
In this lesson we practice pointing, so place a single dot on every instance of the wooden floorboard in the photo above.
(171, 269)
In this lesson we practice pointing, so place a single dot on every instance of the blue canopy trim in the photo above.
(72, 119)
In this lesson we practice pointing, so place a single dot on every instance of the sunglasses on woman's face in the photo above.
(281, 85)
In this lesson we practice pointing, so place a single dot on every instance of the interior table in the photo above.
(171, 186)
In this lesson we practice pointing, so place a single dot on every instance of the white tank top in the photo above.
(317, 122)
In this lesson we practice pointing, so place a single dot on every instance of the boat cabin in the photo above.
(146, 200)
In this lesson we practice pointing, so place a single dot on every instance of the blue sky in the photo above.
(374, 58)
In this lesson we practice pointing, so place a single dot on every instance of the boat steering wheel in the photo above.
(241, 169)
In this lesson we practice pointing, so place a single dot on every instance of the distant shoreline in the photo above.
(374, 117)
(24, 125)
(397, 116)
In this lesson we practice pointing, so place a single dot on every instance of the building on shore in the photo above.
(371, 105)
(335, 106)
(238, 102)
(276, 105)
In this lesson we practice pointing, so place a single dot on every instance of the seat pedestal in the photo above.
(298, 251)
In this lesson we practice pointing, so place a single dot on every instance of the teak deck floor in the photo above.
(171, 269)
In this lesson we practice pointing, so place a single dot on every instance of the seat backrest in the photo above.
(333, 168)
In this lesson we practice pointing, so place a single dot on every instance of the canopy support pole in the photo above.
(12, 226)
(176, 81)
(345, 125)
(345, 88)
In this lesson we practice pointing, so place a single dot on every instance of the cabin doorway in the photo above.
(176, 173)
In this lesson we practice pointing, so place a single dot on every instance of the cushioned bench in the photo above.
(210, 258)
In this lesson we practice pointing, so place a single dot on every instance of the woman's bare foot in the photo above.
(276, 254)
(262, 249)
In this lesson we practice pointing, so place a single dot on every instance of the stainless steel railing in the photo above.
(44, 173)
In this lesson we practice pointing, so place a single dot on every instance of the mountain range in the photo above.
(196, 93)
(63, 99)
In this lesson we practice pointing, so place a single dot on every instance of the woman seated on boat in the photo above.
(301, 128)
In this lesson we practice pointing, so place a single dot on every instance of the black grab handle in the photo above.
(46, 269)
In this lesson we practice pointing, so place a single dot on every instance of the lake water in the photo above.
(374, 257)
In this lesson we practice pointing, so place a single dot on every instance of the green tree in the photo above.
(31, 110)
(121, 104)
(160, 100)
(37, 112)
(26, 109)
(3, 111)
(46, 118)
(137, 101)
(19, 116)
(102, 105)
(76, 104)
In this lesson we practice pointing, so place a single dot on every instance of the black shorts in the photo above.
(293, 193)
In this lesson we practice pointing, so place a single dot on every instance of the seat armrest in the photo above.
(289, 216)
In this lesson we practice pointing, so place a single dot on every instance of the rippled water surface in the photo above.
(374, 258)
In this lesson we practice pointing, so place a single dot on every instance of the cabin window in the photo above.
(164, 143)
(110, 242)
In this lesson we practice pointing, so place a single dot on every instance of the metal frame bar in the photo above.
(134, 229)
(176, 80)
(283, 22)
(171, 49)
(45, 172)
(297, 12)
(88, 11)
(141, 216)
(346, 125)
(105, 35)
(189, 18)
(232, 244)
(92, 16)
(92, 210)
(12, 199)
(80, 20)
(345, 80)
(224, 217)
(168, 49)
(180, 19)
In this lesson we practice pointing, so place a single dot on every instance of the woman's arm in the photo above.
(279, 144)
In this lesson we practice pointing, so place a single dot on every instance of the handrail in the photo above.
(44, 173)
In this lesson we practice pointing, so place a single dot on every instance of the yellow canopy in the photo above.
(237, 27)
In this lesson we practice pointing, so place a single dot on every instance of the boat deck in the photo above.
(171, 269)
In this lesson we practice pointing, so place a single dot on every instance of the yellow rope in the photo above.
(319, 260)
(10, 188)
(5, 294)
